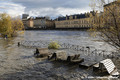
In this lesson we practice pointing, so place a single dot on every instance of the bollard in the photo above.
(18, 44)
(68, 46)
(77, 47)
(88, 49)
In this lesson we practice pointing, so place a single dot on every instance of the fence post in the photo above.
(83, 50)
(88, 49)
(77, 47)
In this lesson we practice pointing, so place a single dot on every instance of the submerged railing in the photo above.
(85, 50)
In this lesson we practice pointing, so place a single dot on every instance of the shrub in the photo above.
(53, 45)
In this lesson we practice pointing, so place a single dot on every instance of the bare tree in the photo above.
(107, 21)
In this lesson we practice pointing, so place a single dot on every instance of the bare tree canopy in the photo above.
(107, 21)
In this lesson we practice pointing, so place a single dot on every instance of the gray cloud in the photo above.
(11, 8)
(53, 3)
(54, 8)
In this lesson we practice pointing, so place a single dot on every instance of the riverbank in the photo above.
(72, 29)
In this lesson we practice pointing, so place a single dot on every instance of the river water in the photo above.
(18, 63)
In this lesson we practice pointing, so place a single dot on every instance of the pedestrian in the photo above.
(5, 37)
(37, 52)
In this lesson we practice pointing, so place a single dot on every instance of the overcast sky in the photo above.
(52, 8)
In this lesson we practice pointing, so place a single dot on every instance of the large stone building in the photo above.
(43, 22)
(74, 21)
(112, 14)
(38, 22)
(28, 23)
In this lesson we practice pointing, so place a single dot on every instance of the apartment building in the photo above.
(38, 22)
(43, 22)
(74, 21)
(112, 13)
(28, 22)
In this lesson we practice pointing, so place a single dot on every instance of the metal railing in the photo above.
(86, 50)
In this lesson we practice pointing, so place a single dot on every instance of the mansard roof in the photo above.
(78, 16)
(61, 18)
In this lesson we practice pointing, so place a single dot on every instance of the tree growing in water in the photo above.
(108, 22)
(17, 25)
(9, 26)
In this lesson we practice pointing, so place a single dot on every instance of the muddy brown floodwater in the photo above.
(18, 63)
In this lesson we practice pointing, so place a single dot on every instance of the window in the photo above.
(79, 21)
(65, 23)
(75, 22)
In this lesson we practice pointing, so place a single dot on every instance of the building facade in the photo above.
(43, 22)
(38, 22)
(112, 13)
(50, 24)
(28, 22)
(74, 21)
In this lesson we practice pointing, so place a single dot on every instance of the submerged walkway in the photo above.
(87, 52)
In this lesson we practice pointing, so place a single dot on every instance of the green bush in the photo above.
(53, 45)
